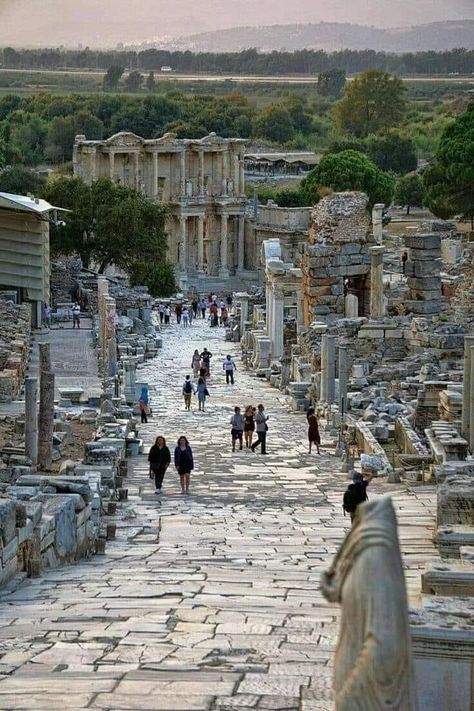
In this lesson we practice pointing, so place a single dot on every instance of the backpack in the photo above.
(353, 496)
(188, 388)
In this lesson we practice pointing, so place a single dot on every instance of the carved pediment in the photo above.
(168, 139)
(124, 138)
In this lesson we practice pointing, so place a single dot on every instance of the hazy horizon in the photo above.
(29, 22)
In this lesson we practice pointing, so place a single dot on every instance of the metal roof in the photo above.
(307, 157)
(26, 204)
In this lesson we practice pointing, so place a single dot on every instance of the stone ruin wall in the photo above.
(14, 348)
(337, 248)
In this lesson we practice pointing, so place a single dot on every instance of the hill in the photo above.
(329, 36)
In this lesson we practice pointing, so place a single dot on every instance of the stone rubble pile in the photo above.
(14, 346)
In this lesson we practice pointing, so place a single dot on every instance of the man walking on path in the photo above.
(178, 311)
(203, 307)
(161, 311)
(167, 315)
(262, 427)
(185, 316)
(188, 390)
(237, 424)
(76, 315)
(206, 361)
(229, 366)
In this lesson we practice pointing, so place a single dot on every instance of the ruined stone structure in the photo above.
(288, 224)
(423, 270)
(201, 181)
(336, 261)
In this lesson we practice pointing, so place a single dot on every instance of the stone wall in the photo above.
(14, 347)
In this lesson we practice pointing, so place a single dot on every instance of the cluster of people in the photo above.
(244, 425)
(185, 313)
(201, 365)
(159, 458)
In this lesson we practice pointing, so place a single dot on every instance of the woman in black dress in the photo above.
(159, 458)
(249, 425)
(184, 463)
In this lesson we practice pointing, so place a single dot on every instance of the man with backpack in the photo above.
(188, 390)
(356, 493)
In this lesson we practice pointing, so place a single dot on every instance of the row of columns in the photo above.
(328, 372)
(238, 171)
(224, 243)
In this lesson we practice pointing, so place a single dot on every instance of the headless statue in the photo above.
(373, 666)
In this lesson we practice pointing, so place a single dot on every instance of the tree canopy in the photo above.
(409, 191)
(372, 102)
(20, 181)
(449, 182)
(392, 151)
(108, 224)
(348, 170)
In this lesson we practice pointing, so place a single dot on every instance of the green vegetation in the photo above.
(409, 191)
(449, 183)
(109, 224)
(21, 181)
(249, 61)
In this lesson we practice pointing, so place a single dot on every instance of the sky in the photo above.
(104, 23)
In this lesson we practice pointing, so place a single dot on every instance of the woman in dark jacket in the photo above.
(159, 458)
(313, 430)
(184, 463)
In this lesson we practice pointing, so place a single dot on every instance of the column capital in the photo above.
(376, 249)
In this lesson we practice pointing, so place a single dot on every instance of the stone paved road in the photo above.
(209, 601)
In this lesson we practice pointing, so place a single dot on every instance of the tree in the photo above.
(409, 191)
(108, 224)
(20, 181)
(373, 102)
(393, 152)
(275, 124)
(158, 277)
(449, 183)
(134, 81)
(63, 129)
(331, 83)
(348, 170)
(150, 82)
(112, 78)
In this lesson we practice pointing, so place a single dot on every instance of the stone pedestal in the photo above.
(376, 282)
(377, 223)
(243, 298)
(130, 374)
(351, 306)
(343, 377)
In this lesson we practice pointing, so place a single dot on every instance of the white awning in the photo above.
(26, 204)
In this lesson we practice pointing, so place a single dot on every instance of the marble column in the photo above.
(154, 187)
(471, 402)
(130, 374)
(377, 309)
(241, 177)
(351, 306)
(200, 243)
(324, 367)
(343, 374)
(237, 174)
(112, 164)
(31, 419)
(183, 257)
(468, 386)
(201, 173)
(277, 323)
(225, 171)
(224, 268)
(182, 172)
(243, 298)
(241, 244)
(93, 164)
(330, 369)
(377, 225)
(299, 307)
(136, 167)
(46, 408)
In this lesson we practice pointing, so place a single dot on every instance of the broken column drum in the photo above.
(423, 272)
(31, 419)
(46, 408)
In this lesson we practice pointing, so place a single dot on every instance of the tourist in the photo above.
(190, 316)
(224, 316)
(313, 430)
(76, 315)
(161, 311)
(249, 425)
(167, 314)
(194, 307)
(206, 361)
(214, 315)
(237, 424)
(356, 493)
(229, 366)
(46, 315)
(178, 311)
(185, 317)
(188, 390)
(229, 300)
(184, 463)
(202, 393)
(143, 408)
(159, 457)
(196, 363)
(404, 259)
(262, 428)
(203, 307)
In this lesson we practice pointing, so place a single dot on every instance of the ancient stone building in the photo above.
(202, 182)
(336, 261)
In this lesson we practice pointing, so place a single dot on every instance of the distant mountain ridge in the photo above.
(328, 36)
